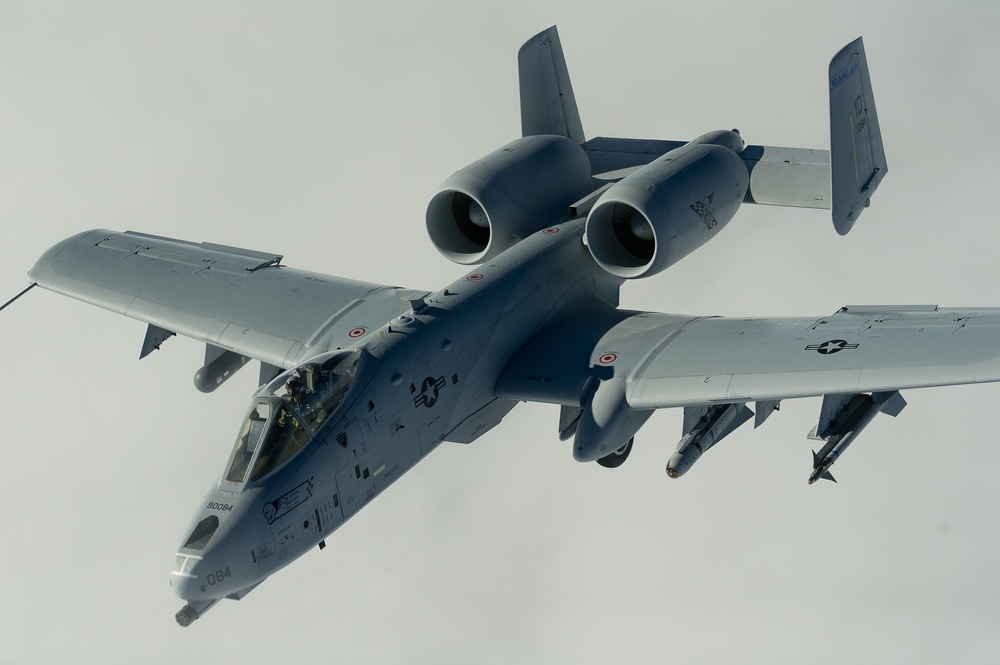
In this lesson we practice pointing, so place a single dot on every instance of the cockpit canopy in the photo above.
(288, 412)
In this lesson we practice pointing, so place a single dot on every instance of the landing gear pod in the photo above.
(618, 457)
(607, 424)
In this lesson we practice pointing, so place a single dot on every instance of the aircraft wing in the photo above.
(669, 360)
(232, 299)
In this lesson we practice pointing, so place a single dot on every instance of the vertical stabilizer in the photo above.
(547, 102)
(857, 158)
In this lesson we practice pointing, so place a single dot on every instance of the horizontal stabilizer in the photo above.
(780, 176)
(797, 177)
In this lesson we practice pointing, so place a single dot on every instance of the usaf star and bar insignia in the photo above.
(831, 346)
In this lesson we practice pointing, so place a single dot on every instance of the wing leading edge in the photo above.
(234, 299)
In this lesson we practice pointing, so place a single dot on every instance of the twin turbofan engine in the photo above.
(506, 196)
(640, 226)
(667, 209)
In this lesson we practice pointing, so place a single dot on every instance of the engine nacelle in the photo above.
(521, 188)
(672, 206)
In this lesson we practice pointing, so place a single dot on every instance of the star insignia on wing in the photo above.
(832, 346)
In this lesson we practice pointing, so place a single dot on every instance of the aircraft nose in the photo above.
(212, 562)
(214, 573)
(184, 577)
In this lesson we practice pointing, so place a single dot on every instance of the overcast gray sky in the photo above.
(320, 130)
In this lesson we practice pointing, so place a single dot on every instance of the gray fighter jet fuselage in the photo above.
(424, 375)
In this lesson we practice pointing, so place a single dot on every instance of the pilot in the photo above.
(294, 391)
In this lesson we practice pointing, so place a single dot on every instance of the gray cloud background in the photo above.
(320, 131)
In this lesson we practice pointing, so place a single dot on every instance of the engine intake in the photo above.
(511, 193)
(661, 213)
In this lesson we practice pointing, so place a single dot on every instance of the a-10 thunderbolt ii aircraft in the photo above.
(360, 381)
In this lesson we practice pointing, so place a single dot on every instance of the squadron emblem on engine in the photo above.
(704, 210)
